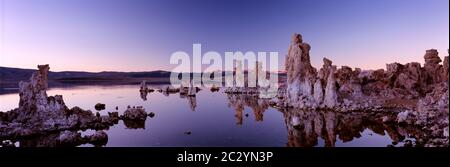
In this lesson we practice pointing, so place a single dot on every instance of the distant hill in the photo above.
(10, 77)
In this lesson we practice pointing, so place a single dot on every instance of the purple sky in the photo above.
(138, 35)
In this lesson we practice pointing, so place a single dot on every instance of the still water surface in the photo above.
(218, 119)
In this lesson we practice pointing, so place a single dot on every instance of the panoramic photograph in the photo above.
(201, 73)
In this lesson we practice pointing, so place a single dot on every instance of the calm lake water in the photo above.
(218, 119)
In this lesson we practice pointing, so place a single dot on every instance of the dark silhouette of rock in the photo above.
(214, 88)
(151, 114)
(99, 106)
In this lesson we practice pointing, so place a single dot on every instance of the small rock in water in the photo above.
(117, 107)
(151, 114)
(100, 106)
(246, 115)
(215, 89)
(188, 132)
(135, 113)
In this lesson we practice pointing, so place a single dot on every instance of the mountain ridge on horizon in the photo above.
(111, 71)
(11, 76)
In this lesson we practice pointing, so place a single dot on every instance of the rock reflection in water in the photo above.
(63, 139)
(183, 93)
(305, 127)
(143, 95)
(134, 124)
(192, 101)
(239, 101)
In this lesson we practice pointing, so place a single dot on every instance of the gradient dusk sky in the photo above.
(140, 35)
